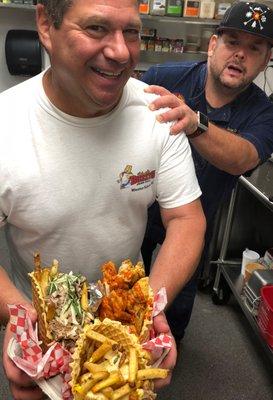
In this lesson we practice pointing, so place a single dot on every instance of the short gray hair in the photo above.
(56, 9)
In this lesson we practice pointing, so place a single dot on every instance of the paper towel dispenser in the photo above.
(23, 52)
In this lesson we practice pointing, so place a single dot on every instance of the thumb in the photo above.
(31, 311)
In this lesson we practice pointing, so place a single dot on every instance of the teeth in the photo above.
(107, 73)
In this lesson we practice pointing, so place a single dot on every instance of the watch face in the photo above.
(203, 124)
(203, 121)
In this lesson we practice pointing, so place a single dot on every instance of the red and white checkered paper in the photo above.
(55, 362)
(31, 360)
(160, 345)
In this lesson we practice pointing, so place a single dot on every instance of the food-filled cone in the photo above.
(41, 308)
(128, 297)
(114, 331)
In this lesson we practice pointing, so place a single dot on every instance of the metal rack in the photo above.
(173, 28)
(257, 189)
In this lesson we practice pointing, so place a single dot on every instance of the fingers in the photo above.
(21, 385)
(156, 90)
(183, 118)
(160, 383)
(160, 324)
(23, 393)
(169, 362)
(15, 375)
(166, 101)
(31, 310)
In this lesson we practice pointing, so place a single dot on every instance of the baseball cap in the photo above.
(255, 18)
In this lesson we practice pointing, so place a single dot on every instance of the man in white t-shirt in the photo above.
(82, 157)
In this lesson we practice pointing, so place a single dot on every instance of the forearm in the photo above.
(9, 294)
(178, 256)
(226, 151)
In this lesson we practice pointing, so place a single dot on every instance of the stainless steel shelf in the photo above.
(183, 20)
(154, 57)
(161, 19)
(260, 183)
(26, 7)
(234, 279)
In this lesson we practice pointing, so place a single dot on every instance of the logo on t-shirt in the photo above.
(139, 181)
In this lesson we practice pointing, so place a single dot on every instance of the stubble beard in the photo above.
(225, 87)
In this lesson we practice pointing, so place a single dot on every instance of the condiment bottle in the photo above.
(157, 7)
(144, 7)
(192, 8)
(174, 8)
(207, 9)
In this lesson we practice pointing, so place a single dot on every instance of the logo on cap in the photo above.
(256, 17)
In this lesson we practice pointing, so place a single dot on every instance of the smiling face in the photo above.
(235, 59)
(92, 54)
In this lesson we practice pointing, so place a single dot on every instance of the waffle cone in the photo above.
(128, 297)
(114, 331)
(40, 306)
(143, 290)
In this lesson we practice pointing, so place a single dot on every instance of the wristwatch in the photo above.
(202, 127)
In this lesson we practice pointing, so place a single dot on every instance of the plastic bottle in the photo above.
(174, 8)
(144, 7)
(207, 9)
(192, 8)
(157, 7)
(221, 9)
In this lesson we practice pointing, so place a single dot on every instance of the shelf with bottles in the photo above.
(30, 6)
(184, 20)
(149, 58)
(19, 6)
(206, 12)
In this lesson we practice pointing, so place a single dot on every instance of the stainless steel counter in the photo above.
(261, 182)
(249, 224)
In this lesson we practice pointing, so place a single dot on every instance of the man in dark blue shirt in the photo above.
(238, 133)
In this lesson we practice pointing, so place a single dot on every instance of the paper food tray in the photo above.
(51, 387)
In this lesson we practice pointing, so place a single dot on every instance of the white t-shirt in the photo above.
(78, 189)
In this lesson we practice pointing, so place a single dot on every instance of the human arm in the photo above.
(176, 262)
(22, 386)
(180, 252)
(9, 294)
(223, 149)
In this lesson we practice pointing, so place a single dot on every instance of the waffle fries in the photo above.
(120, 372)
(61, 302)
(128, 297)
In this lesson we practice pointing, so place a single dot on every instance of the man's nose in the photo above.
(240, 54)
(117, 49)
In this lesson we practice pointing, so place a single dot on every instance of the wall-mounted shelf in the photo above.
(149, 58)
(183, 20)
(27, 7)
(161, 19)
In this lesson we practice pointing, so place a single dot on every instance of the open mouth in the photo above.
(235, 69)
(106, 74)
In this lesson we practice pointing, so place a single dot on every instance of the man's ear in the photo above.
(212, 45)
(268, 57)
(43, 26)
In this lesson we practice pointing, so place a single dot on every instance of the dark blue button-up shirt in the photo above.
(250, 115)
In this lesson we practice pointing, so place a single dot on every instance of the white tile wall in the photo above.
(14, 19)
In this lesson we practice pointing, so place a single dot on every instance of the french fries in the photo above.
(113, 379)
(91, 383)
(98, 337)
(100, 352)
(152, 373)
(122, 391)
(117, 367)
(132, 366)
